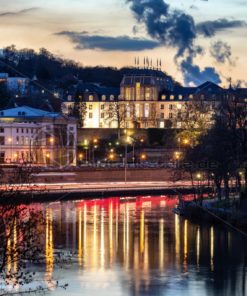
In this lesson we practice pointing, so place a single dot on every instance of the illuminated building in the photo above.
(147, 98)
(29, 135)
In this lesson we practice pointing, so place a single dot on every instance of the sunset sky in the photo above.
(114, 32)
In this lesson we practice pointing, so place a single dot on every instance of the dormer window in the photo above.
(180, 97)
(163, 97)
(111, 97)
(172, 97)
(90, 98)
(103, 97)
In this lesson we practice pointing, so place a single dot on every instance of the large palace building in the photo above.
(147, 98)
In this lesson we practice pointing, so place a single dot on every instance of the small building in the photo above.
(29, 135)
(18, 86)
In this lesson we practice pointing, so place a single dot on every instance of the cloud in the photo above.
(195, 76)
(170, 27)
(20, 12)
(83, 40)
(177, 29)
(210, 28)
(222, 52)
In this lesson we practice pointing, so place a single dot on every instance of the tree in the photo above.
(196, 118)
(79, 110)
(22, 233)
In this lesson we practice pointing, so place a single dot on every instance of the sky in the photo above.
(196, 40)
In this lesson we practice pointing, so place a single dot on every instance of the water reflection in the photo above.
(137, 246)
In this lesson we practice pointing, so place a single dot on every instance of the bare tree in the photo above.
(22, 233)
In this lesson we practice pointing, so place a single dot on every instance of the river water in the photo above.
(137, 246)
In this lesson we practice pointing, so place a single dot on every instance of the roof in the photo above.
(26, 111)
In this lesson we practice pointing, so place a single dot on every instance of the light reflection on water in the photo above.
(139, 247)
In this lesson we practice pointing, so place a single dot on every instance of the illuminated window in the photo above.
(90, 107)
(171, 97)
(103, 97)
(102, 107)
(90, 98)
(163, 97)
(180, 97)
(90, 115)
(190, 96)
(147, 93)
(138, 91)
(111, 97)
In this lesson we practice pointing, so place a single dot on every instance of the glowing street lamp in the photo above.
(186, 141)
(143, 156)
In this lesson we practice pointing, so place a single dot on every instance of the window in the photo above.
(102, 115)
(190, 96)
(170, 115)
(17, 130)
(171, 97)
(180, 97)
(90, 98)
(162, 115)
(22, 130)
(27, 130)
(1, 130)
(102, 107)
(111, 97)
(138, 91)
(90, 107)
(2, 140)
(103, 97)
(71, 128)
(90, 115)
(163, 97)
(170, 107)
(162, 106)
(17, 140)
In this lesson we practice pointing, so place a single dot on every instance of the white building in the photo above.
(18, 86)
(37, 136)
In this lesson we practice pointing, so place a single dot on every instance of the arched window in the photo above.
(103, 97)
(111, 97)
(90, 98)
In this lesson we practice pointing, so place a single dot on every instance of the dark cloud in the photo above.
(194, 75)
(171, 27)
(176, 29)
(16, 13)
(221, 52)
(210, 28)
(83, 40)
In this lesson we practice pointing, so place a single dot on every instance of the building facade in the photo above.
(38, 137)
(147, 98)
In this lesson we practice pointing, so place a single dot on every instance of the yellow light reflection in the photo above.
(102, 241)
(161, 244)
(127, 236)
(49, 247)
(198, 242)
(85, 233)
(80, 238)
(142, 235)
(185, 243)
(177, 237)
(212, 248)
(95, 251)
(111, 232)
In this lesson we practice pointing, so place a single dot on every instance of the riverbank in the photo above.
(232, 212)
